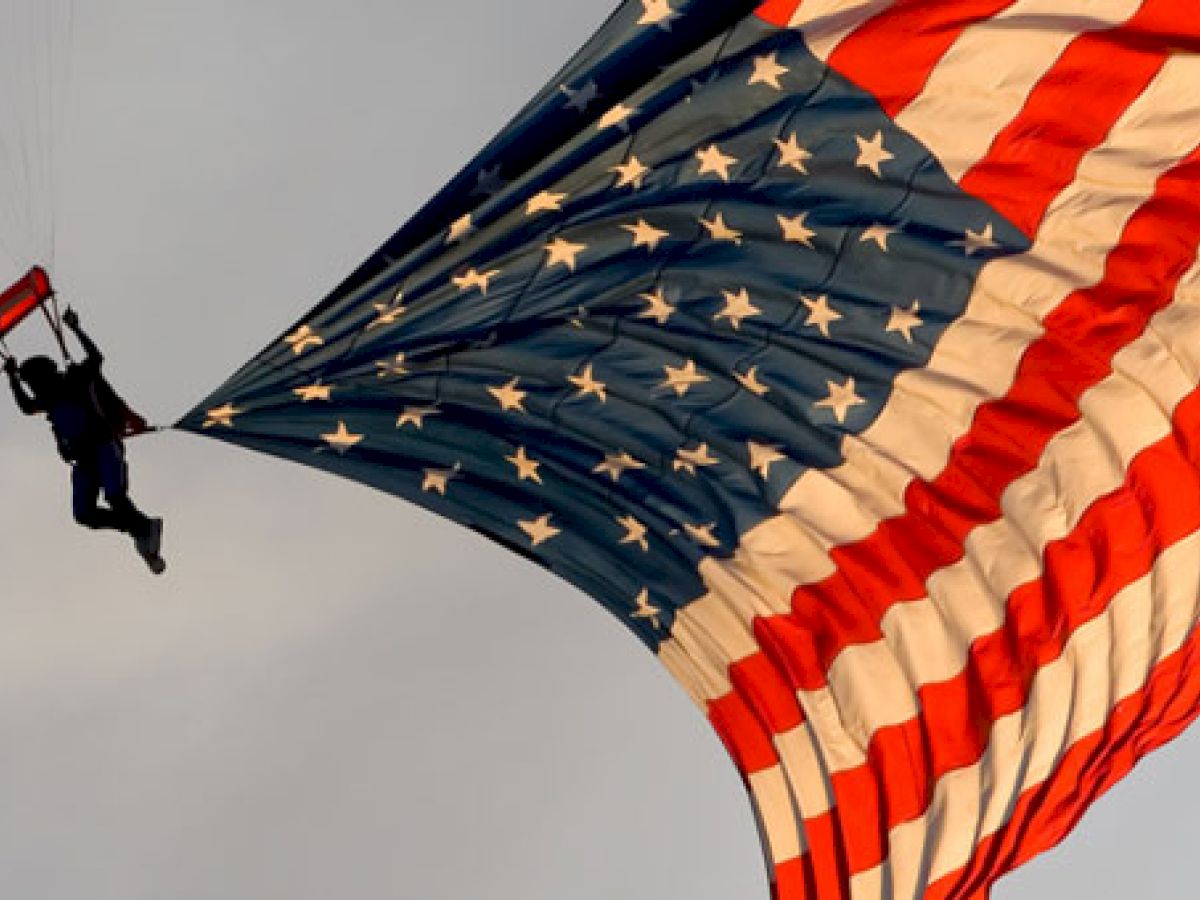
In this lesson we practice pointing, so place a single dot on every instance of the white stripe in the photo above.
(805, 770)
(932, 407)
(826, 23)
(983, 81)
(1105, 661)
(777, 815)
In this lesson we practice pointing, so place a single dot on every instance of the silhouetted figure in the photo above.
(87, 420)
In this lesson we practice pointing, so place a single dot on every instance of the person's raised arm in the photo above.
(71, 320)
(25, 402)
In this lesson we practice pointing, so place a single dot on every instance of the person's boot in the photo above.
(149, 546)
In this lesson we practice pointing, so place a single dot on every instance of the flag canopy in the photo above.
(847, 352)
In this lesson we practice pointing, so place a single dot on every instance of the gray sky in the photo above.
(333, 694)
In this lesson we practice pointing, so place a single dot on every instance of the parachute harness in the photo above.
(34, 291)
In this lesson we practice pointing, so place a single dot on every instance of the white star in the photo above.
(438, 480)
(415, 415)
(820, 314)
(580, 99)
(630, 173)
(681, 379)
(473, 278)
(388, 313)
(646, 235)
(545, 201)
(879, 234)
(395, 367)
(644, 609)
(795, 230)
(737, 307)
(686, 460)
(977, 241)
(509, 397)
(562, 252)
(342, 439)
(658, 308)
(703, 534)
(303, 338)
(749, 380)
(618, 116)
(222, 415)
(617, 464)
(719, 231)
(762, 457)
(842, 398)
(312, 392)
(635, 532)
(792, 155)
(713, 161)
(588, 385)
(767, 70)
(904, 321)
(539, 530)
(460, 228)
(527, 467)
(657, 12)
(872, 154)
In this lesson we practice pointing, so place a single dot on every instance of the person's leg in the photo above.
(85, 492)
(114, 479)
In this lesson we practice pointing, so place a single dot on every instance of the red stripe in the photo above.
(893, 54)
(791, 881)
(778, 12)
(1041, 148)
(743, 733)
(1044, 815)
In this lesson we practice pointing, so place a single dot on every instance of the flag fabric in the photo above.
(847, 351)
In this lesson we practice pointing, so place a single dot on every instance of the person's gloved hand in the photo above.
(71, 318)
(11, 366)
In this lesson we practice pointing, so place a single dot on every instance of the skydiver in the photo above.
(88, 431)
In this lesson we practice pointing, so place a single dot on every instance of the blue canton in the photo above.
(692, 266)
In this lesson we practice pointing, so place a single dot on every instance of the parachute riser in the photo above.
(54, 320)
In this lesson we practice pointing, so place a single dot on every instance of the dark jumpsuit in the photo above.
(88, 440)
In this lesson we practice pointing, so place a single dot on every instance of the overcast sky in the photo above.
(331, 693)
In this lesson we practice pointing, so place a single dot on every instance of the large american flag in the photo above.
(848, 353)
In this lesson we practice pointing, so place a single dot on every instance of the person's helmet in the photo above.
(40, 373)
